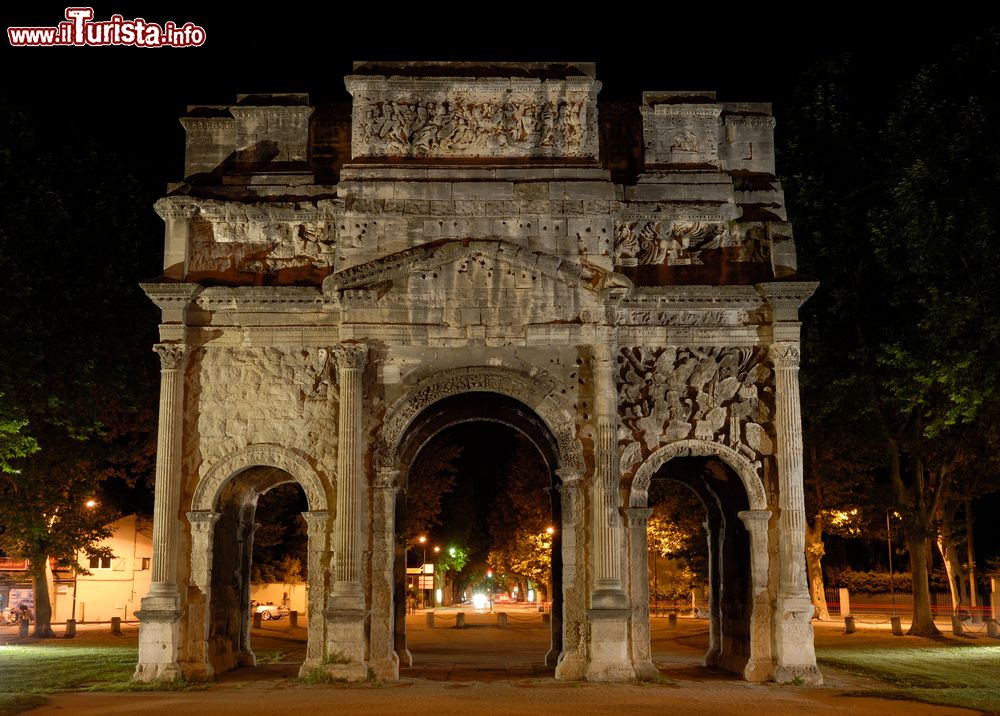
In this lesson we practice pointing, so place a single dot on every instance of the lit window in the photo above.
(100, 562)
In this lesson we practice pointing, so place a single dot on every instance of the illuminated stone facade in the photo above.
(478, 242)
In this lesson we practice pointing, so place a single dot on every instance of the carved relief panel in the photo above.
(473, 118)
(714, 394)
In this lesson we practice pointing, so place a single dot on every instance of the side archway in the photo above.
(222, 523)
(737, 530)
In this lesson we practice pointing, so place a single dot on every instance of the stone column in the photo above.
(758, 667)
(198, 665)
(346, 614)
(317, 528)
(383, 659)
(572, 661)
(160, 609)
(796, 657)
(636, 519)
(609, 613)
(608, 592)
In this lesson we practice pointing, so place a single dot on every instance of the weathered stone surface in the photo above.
(318, 312)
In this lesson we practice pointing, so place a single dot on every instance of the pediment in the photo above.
(471, 282)
(515, 261)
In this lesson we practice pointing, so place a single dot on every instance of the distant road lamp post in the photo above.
(89, 504)
(437, 592)
(423, 562)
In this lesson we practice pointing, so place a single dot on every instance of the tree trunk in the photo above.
(952, 564)
(814, 567)
(973, 599)
(43, 607)
(923, 624)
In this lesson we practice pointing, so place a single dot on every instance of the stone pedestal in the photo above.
(609, 658)
(345, 644)
(159, 636)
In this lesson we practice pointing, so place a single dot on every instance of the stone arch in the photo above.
(206, 494)
(749, 652)
(747, 471)
(537, 391)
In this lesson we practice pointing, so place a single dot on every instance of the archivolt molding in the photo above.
(749, 472)
(206, 494)
(538, 392)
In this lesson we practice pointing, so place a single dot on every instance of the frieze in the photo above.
(458, 118)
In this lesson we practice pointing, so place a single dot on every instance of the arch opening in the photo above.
(502, 444)
(720, 567)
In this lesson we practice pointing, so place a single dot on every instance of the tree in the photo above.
(899, 223)
(75, 368)
(430, 478)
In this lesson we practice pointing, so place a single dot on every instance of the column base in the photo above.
(571, 666)
(385, 669)
(795, 653)
(645, 670)
(159, 638)
(608, 654)
(345, 644)
(404, 657)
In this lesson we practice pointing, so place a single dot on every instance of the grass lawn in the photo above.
(947, 672)
(29, 671)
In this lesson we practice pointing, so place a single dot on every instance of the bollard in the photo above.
(546, 618)
(70, 629)
(460, 620)
(897, 627)
(256, 620)
(957, 628)
(116, 626)
(992, 629)
(672, 620)
(502, 620)
(849, 627)
(430, 619)
(22, 630)
(293, 618)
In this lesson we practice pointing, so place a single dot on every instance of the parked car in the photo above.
(268, 611)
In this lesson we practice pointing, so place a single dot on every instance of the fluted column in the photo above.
(795, 656)
(350, 451)
(788, 426)
(173, 358)
(159, 613)
(345, 614)
(608, 590)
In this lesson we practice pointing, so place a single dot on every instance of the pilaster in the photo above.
(636, 519)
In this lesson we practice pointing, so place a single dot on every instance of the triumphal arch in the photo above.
(478, 242)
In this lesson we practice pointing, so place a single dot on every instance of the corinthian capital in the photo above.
(172, 355)
(350, 355)
(785, 355)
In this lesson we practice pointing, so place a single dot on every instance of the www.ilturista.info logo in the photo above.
(81, 30)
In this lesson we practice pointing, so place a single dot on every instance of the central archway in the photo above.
(528, 404)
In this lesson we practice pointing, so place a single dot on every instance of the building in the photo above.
(478, 242)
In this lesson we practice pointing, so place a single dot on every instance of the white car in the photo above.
(268, 611)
